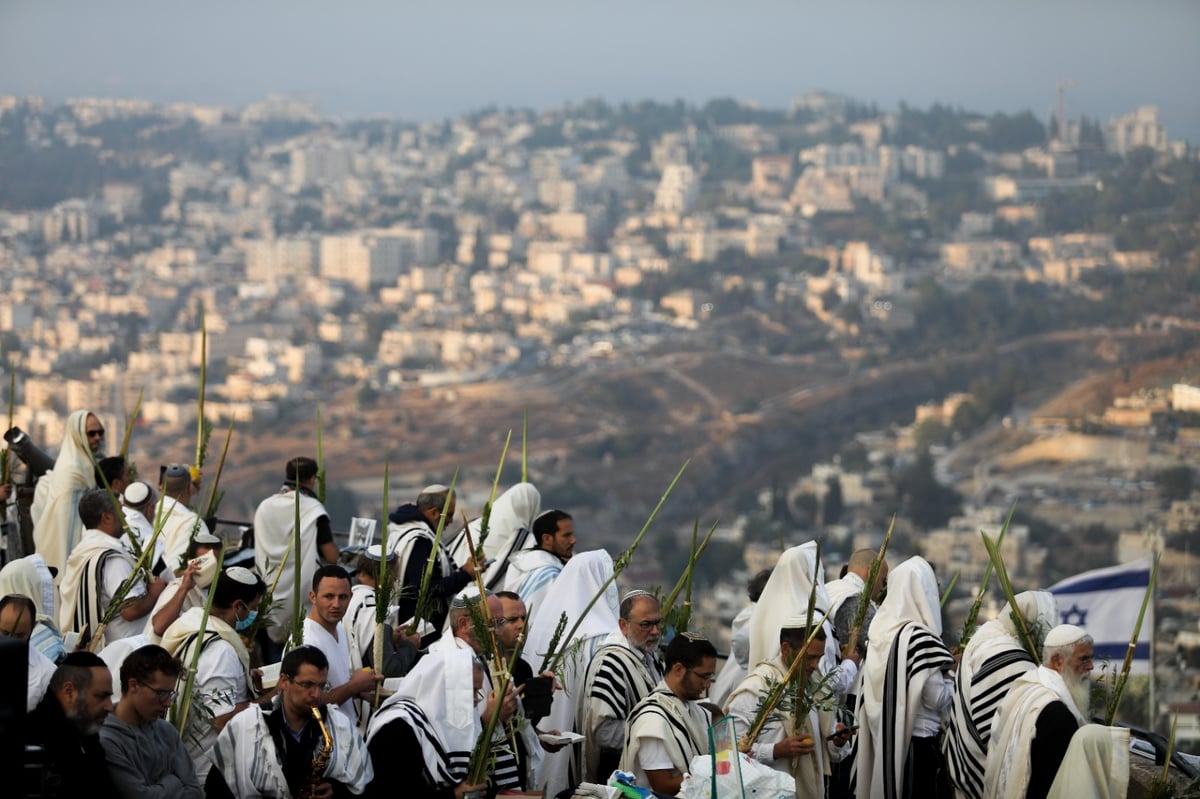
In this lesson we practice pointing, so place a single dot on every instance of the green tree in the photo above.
(921, 498)
(1175, 483)
(834, 505)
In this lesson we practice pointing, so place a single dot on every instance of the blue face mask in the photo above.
(244, 624)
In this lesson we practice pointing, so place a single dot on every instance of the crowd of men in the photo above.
(126, 619)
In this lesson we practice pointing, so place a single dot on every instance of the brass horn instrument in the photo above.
(321, 761)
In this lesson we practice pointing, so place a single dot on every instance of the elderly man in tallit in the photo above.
(56, 524)
(991, 663)
(906, 687)
(1038, 718)
(624, 669)
(785, 744)
(427, 729)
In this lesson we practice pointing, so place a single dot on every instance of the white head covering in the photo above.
(1064, 635)
(29, 576)
(57, 528)
(786, 595)
(136, 493)
(579, 581)
(442, 684)
(513, 511)
(912, 597)
(1036, 607)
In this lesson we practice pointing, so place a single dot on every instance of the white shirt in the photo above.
(116, 571)
(935, 700)
(220, 685)
(337, 650)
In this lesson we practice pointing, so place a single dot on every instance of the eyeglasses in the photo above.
(308, 686)
(648, 624)
(96, 433)
(165, 695)
(709, 677)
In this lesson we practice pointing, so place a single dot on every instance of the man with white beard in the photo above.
(1041, 713)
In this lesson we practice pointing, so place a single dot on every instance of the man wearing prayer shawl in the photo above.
(274, 526)
(412, 529)
(30, 577)
(509, 533)
(224, 684)
(669, 728)
(531, 572)
(423, 735)
(516, 759)
(98, 566)
(623, 671)
(1096, 764)
(991, 663)
(1035, 722)
(17, 616)
(56, 524)
(905, 688)
(583, 578)
(188, 590)
(782, 744)
(785, 595)
(269, 751)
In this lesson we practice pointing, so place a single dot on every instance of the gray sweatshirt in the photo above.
(148, 762)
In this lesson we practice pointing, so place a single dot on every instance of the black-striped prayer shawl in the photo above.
(616, 679)
(443, 768)
(88, 612)
(972, 713)
(915, 656)
(680, 726)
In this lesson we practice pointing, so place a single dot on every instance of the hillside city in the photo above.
(920, 285)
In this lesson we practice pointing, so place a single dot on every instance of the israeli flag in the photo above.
(1106, 602)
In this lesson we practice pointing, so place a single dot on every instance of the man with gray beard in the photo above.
(1037, 719)
(66, 726)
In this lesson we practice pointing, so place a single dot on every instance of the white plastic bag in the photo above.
(758, 781)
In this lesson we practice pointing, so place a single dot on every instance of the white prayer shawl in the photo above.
(993, 660)
(509, 529)
(905, 651)
(736, 665)
(505, 769)
(209, 689)
(1096, 764)
(681, 727)
(57, 527)
(114, 655)
(437, 701)
(41, 669)
(1014, 728)
(809, 771)
(617, 678)
(530, 574)
(786, 595)
(29, 577)
(402, 538)
(842, 589)
(246, 756)
(179, 524)
(83, 581)
(359, 623)
(571, 591)
(274, 523)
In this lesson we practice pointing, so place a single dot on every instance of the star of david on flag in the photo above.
(1105, 602)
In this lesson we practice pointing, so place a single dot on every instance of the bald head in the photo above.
(860, 564)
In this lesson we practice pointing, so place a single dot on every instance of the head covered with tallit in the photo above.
(785, 596)
(581, 579)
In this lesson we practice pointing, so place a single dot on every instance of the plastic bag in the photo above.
(758, 781)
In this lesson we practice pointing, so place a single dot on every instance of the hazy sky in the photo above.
(421, 60)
